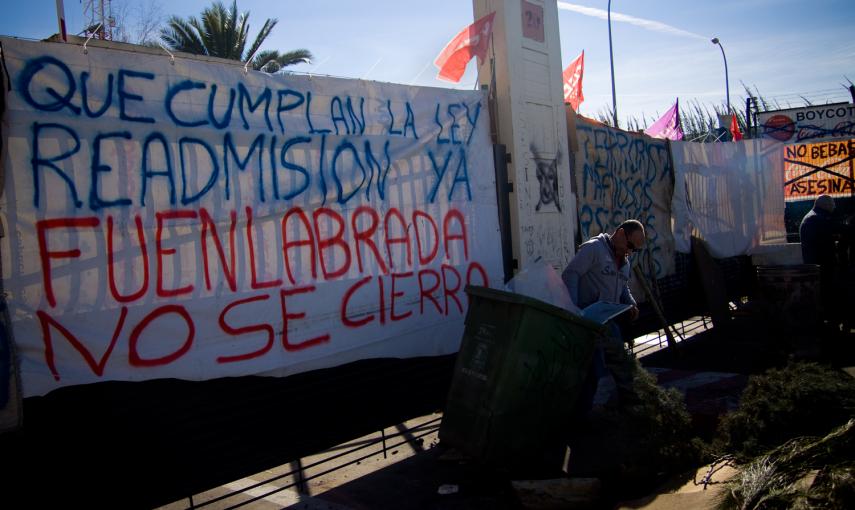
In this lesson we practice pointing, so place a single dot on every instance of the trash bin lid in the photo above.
(519, 299)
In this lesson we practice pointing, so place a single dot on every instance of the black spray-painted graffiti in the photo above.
(547, 178)
(624, 176)
(810, 123)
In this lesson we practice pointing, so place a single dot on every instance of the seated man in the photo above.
(600, 271)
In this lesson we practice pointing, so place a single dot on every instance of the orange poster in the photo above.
(813, 169)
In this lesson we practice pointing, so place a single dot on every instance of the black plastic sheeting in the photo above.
(144, 444)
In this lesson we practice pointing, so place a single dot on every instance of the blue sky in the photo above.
(662, 48)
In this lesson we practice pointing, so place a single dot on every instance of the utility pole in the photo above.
(612, 61)
(99, 19)
(748, 117)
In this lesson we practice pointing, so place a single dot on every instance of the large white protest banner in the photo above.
(728, 194)
(192, 220)
(621, 176)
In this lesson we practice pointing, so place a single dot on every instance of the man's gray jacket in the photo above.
(593, 274)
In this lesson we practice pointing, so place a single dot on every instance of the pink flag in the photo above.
(471, 41)
(668, 126)
(573, 82)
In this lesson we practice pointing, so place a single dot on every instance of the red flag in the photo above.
(734, 128)
(471, 41)
(573, 82)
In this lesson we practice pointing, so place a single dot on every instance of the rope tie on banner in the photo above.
(85, 51)
(246, 66)
(171, 56)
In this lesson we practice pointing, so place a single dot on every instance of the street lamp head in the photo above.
(715, 40)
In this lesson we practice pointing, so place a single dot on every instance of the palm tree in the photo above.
(271, 60)
(223, 33)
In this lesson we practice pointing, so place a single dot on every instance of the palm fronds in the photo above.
(224, 32)
(804, 472)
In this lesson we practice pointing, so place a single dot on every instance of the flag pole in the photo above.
(60, 17)
(612, 61)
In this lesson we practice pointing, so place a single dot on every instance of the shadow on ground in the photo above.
(710, 370)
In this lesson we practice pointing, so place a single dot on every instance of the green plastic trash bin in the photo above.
(520, 367)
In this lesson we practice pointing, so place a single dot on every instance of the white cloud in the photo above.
(647, 24)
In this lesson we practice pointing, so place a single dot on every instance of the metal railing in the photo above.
(652, 342)
(408, 435)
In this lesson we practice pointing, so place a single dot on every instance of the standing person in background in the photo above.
(817, 237)
(817, 233)
(600, 271)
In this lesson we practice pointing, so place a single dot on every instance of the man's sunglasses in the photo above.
(630, 245)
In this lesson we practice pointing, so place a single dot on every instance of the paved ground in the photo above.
(417, 473)
(297, 482)
(440, 479)
(415, 470)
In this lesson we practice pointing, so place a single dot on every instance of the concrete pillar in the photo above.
(523, 74)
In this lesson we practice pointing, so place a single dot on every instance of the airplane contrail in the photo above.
(655, 26)
(365, 76)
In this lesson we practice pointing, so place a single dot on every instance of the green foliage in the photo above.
(802, 399)
(272, 61)
(805, 472)
(643, 443)
(663, 422)
(224, 33)
(699, 121)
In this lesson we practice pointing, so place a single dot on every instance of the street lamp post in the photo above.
(726, 79)
(612, 61)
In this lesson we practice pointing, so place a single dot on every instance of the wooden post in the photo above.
(656, 308)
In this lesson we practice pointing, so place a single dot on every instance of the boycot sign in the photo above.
(809, 123)
(192, 220)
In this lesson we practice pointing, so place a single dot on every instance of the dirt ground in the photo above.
(691, 494)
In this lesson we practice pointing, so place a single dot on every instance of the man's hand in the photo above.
(633, 313)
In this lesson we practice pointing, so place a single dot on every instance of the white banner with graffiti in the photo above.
(191, 220)
(728, 194)
(621, 176)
